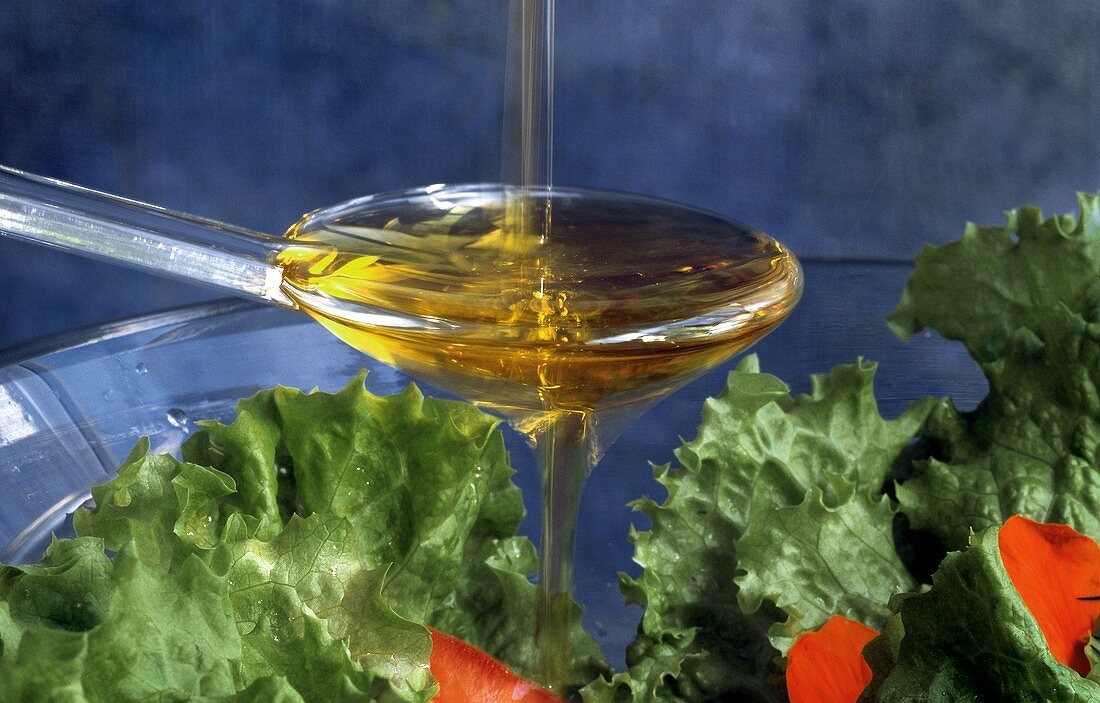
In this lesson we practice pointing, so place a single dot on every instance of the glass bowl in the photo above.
(72, 405)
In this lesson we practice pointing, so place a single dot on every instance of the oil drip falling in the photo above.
(562, 443)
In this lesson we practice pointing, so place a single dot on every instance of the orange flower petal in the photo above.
(468, 675)
(827, 666)
(1053, 567)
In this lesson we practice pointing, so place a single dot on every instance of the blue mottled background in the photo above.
(846, 128)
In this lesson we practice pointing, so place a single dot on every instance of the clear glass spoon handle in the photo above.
(94, 224)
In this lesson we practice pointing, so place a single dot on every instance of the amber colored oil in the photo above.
(622, 302)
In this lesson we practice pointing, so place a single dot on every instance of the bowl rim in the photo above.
(94, 332)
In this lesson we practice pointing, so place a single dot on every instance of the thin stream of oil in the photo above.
(562, 446)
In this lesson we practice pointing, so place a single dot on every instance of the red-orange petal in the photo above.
(1053, 567)
(827, 666)
(468, 675)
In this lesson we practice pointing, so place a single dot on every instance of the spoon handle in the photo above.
(131, 233)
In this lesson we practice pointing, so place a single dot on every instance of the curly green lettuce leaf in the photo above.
(305, 568)
(172, 634)
(814, 561)
(165, 636)
(1032, 319)
(312, 664)
(425, 485)
(168, 507)
(270, 689)
(656, 666)
(345, 507)
(69, 589)
(10, 631)
(311, 570)
(326, 527)
(310, 567)
(247, 450)
(422, 481)
(807, 471)
(970, 637)
(995, 281)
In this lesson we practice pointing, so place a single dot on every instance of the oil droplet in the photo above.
(177, 418)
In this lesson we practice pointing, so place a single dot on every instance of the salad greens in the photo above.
(315, 528)
(769, 492)
(298, 553)
(990, 650)
(783, 510)
(1032, 320)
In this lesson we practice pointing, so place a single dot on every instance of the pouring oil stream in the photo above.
(562, 447)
